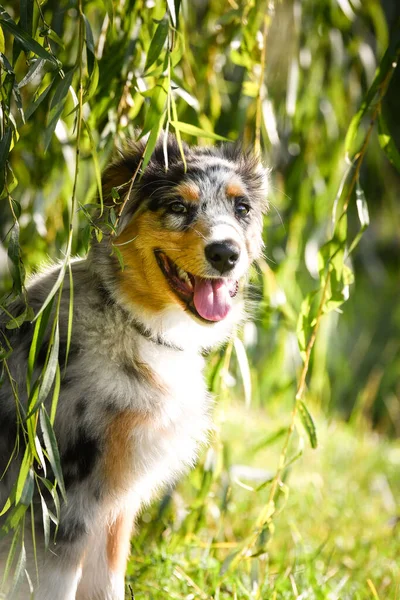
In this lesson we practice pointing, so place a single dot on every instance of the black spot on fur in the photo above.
(8, 433)
(105, 296)
(69, 531)
(110, 408)
(80, 408)
(79, 459)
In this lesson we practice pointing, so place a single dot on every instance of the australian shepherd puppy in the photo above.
(133, 406)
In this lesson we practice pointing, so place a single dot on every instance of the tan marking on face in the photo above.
(119, 444)
(188, 191)
(118, 541)
(142, 280)
(234, 188)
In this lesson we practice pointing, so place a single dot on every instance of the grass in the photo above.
(336, 535)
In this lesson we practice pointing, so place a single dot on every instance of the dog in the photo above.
(166, 285)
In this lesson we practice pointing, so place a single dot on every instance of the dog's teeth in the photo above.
(184, 276)
(187, 280)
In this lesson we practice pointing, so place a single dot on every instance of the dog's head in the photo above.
(188, 236)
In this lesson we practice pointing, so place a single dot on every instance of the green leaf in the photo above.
(90, 52)
(33, 70)
(23, 474)
(34, 105)
(10, 557)
(57, 106)
(16, 322)
(308, 423)
(387, 143)
(53, 36)
(151, 142)
(362, 207)
(156, 109)
(119, 256)
(56, 394)
(50, 370)
(92, 83)
(70, 314)
(46, 522)
(2, 42)
(172, 11)
(177, 132)
(363, 215)
(157, 43)
(26, 15)
(228, 561)
(40, 455)
(197, 131)
(26, 41)
(5, 143)
(270, 439)
(14, 518)
(110, 10)
(52, 449)
(305, 322)
(19, 571)
(96, 164)
(387, 64)
(38, 336)
(244, 368)
(29, 487)
(14, 254)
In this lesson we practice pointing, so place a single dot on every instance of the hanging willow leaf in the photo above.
(26, 41)
(57, 106)
(197, 131)
(52, 449)
(172, 11)
(157, 43)
(33, 71)
(26, 15)
(387, 142)
(19, 571)
(22, 476)
(34, 105)
(385, 68)
(244, 367)
(308, 423)
(51, 366)
(363, 215)
(151, 142)
(156, 109)
(14, 254)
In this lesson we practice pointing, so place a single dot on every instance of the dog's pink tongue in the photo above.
(211, 298)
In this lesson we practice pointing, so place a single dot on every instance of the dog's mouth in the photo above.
(209, 299)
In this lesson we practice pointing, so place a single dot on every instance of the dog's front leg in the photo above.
(103, 570)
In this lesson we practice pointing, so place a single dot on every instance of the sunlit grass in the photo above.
(338, 528)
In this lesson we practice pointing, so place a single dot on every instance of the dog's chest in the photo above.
(150, 449)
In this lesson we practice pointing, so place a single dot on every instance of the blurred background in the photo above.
(297, 72)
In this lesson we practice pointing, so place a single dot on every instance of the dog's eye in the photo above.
(242, 209)
(177, 208)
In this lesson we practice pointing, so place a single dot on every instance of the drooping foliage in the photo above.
(313, 87)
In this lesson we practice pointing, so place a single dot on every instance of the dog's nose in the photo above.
(223, 256)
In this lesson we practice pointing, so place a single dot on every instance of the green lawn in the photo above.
(336, 535)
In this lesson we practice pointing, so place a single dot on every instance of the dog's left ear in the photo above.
(119, 173)
(127, 165)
